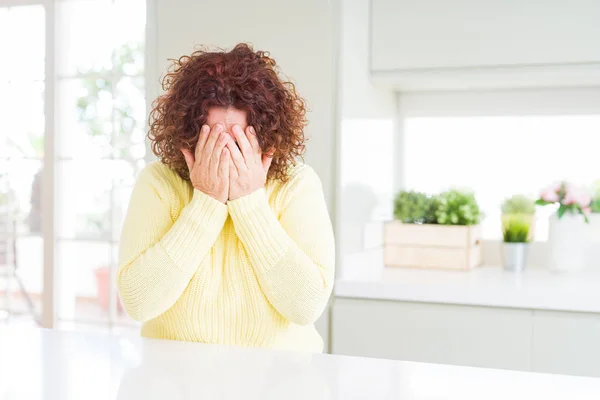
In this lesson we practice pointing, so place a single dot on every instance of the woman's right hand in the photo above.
(209, 166)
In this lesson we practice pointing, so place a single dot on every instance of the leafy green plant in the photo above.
(457, 207)
(430, 217)
(516, 230)
(412, 207)
(518, 204)
(595, 204)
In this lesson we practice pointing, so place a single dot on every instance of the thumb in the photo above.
(189, 158)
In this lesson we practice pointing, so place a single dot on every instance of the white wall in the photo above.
(434, 45)
(300, 35)
(358, 98)
(366, 132)
(409, 34)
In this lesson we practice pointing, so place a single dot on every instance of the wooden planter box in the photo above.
(432, 246)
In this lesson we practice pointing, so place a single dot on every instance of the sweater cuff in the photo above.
(257, 227)
(196, 229)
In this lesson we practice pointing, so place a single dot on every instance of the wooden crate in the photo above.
(432, 246)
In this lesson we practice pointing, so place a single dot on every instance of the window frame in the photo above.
(477, 103)
(49, 210)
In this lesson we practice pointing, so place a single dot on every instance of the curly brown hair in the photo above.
(242, 78)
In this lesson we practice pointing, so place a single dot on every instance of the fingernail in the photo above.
(205, 128)
(252, 131)
(218, 127)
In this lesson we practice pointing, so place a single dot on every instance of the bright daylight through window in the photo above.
(500, 156)
(101, 114)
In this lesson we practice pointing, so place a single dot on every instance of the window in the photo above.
(99, 105)
(100, 148)
(500, 156)
(496, 143)
(21, 155)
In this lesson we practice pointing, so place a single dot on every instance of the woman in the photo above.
(227, 239)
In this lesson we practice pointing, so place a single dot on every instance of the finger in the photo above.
(242, 141)
(202, 140)
(218, 152)
(266, 162)
(233, 174)
(212, 140)
(222, 141)
(253, 139)
(224, 164)
(236, 156)
(189, 158)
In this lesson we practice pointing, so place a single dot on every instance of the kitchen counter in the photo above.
(538, 289)
(53, 365)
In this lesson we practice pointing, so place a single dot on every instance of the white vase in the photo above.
(568, 240)
(594, 228)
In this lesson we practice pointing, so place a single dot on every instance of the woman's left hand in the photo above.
(249, 167)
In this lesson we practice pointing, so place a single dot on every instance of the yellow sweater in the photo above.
(255, 272)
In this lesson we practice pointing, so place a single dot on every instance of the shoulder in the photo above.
(162, 178)
(302, 178)
(158, 171)
(299, 175)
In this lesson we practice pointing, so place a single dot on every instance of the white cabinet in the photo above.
(566, 343)
(518, 339)
(473, 43)
(448, 334)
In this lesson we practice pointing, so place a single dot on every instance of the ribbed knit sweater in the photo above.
(257, 271)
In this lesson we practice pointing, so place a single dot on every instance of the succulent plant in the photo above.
(457, 207)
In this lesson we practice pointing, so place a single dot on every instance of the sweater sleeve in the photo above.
(159, 256)
(293, 255)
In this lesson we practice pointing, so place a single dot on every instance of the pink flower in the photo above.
(576, 195)
(587, 211)
(550, 194)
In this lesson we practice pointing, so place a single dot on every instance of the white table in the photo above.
(52, 365)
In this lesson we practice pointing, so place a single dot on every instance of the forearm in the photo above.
(152, 281)
(296, 284)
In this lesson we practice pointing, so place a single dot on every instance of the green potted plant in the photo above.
(519, 206)
(594, 219)
(516, 234)
(440, 231)
(456, 207)
(595, 204)
(412, 207)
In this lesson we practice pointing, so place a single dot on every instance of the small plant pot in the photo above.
(514, 256)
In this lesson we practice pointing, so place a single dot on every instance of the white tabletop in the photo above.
(537, 289)
(52, 365)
